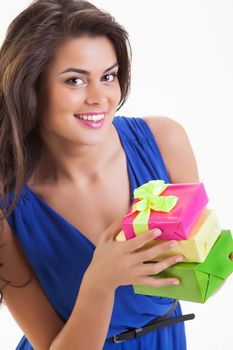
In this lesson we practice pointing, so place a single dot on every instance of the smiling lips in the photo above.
(91, 117)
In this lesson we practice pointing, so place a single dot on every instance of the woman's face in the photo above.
(81, 81)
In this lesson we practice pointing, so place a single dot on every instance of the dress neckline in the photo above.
(55, 212)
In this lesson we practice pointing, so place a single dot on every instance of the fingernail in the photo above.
(176, 282)
(173, 244)
(156, 232)
(180, 258)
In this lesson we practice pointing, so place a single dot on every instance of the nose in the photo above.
(96, 95)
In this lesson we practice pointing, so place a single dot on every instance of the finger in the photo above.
(153, 252)
(157, 282)
(140, 240)
(112, 230)
(231, 256)
(153, 268)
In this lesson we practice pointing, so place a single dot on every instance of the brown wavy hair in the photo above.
(29, 46)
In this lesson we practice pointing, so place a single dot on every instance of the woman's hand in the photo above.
(117, 263)
(231, 256)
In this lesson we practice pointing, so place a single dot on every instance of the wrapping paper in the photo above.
(198, 280)
(195, 249)
(173, 208)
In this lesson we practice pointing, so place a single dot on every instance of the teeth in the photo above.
(94, 118)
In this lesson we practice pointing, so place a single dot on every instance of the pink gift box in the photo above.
(178, 223)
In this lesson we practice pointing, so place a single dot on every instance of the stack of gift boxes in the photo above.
(180, 212)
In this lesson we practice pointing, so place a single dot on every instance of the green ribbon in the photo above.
(150, 199)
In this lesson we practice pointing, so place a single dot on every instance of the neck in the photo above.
(81, 165)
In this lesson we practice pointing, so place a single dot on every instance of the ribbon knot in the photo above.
(150, 199)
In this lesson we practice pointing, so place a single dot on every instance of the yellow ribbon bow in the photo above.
(150, 199)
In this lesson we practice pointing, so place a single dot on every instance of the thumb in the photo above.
(112, 230)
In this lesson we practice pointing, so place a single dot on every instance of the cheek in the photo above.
(62, 100)
(117, 95)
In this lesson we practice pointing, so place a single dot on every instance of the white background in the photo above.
(183, 69)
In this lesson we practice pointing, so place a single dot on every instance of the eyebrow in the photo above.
(83, 71)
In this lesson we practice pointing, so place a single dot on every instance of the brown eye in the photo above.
(75, 81)
(109, 77)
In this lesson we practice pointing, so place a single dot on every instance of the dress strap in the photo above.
(143, 152)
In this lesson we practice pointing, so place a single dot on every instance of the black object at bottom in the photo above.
(157, 323)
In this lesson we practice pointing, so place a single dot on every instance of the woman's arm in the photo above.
(88, 324)
(113, 264)
(175, 148)
(28, 305)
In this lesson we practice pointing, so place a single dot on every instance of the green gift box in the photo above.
(198, 280)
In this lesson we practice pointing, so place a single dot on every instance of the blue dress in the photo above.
(59, 254)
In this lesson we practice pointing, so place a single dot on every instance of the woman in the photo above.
(68, 171)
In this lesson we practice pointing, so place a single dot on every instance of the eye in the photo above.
(75, 81)
(109, 77)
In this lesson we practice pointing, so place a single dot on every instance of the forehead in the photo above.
(85, 52)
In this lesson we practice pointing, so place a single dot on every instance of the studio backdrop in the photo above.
(182, 69)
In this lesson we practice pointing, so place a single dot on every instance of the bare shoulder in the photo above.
(175, 149)
(28, 305)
